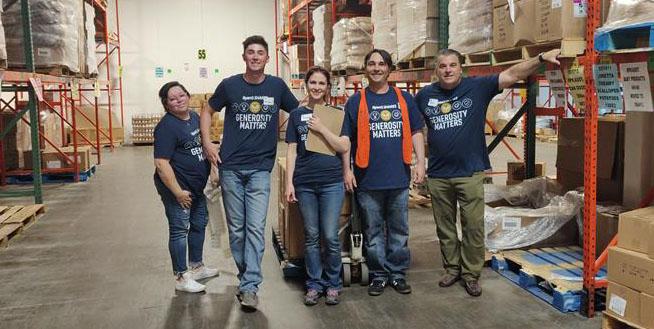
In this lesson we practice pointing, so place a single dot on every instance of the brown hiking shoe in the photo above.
(472, 288)
(448, 280)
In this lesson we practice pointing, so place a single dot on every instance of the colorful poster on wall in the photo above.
(577, 85)
(159, 72)
(557, 86)
(608, 88)
(637, 88)
(204, 72)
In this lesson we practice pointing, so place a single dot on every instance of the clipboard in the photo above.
(332, 118)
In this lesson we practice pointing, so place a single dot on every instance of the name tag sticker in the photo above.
(433, 102)
(305, 117)
(269, 101)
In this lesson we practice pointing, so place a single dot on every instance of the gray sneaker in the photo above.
(249, 301)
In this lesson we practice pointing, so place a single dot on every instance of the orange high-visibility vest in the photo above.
(362, 157)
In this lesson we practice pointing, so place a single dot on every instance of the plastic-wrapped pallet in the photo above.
(352, 41)
(89, 25)
(417, 29)
(471, 35)
(323, 34)
(56, 32)
(384, 21)
(628, 12)
(3, 46)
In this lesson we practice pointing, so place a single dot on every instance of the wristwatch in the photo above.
(540, 58)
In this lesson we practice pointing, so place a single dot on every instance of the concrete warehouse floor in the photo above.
(98, 259)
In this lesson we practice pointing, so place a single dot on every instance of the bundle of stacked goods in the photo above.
(323, 34)
(384, 20)
(417, 29)
(471, 35)
(352, 41)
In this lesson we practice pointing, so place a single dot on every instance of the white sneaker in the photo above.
(187, 284)
(203, 272)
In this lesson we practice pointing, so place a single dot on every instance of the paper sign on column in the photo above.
(577, 86)
(557, 85)
(608, 87)
(637, 89)
(331, 118)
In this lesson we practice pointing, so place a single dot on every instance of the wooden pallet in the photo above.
(422, 63)
(346, 72)
(569, 48)
(635, 36)
(611, 322)
(555, 275)
(15, 219)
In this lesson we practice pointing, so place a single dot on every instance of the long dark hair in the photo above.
(163, 92)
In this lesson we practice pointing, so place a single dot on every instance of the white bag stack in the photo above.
(352, 41)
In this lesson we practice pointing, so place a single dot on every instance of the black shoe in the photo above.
(472, 288)
(376, 288)
(401, 286)
(448, 280)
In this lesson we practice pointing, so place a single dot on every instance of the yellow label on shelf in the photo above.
(96, 89)
(74, 86)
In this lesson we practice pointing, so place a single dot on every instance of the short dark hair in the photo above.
(163, 92)
(255, 40)
(450, 52)
(384, 55)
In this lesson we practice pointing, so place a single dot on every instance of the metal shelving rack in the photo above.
(70, 94)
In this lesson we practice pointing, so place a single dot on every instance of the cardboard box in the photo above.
(565, 236)
(508, 33)
(636, 231)
(631, 269)
(558, 20)
(646, 310)
(52, 159)
(606, 229)
(516, 171)
(623, 302)
(638, 157)
(610, 156)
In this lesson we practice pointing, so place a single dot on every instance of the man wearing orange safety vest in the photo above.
(385, 128)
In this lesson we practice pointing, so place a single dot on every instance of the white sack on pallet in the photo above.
(56, 26)
(515, 227)
(384, 22)
(471, 25)
(89, 27)
(323, 34)
(417, 26)
(352, 41)
(628, 12)
(3, 46)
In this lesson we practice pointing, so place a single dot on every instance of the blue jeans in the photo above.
(386, 221)
(245, 196)
(320, 206)
(184, 226)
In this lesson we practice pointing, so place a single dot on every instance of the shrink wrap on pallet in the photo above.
(323, 34)
(384, 21)
(57, 27)
(417, 29)
(628, 12)
(3, 46)
(471, 25)
(536, 214)
(352, 41)
(89, 27)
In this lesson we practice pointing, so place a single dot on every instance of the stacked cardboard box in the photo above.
(217, 127)
(53, 159)
(323, 34)
(384, 21)
(290, 224)
(86, 127)
(516, 171)
(352, 41)
(417, 29)
(143, 127)
(610, 156)
(630, 294)
(470, 35)
(638, 157)
(517, 30)
(300, 57)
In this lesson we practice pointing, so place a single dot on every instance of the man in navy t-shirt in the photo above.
(252, 102)
(454, 109)
(384, 127)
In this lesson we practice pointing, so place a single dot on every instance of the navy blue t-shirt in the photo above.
(455, 119)
(386, 168)
(251, 120)
(179, 141)
(310, 167)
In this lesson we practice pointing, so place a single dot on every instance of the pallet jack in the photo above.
(354, 263)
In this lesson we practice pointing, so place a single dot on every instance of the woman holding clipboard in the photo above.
(315, 181)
